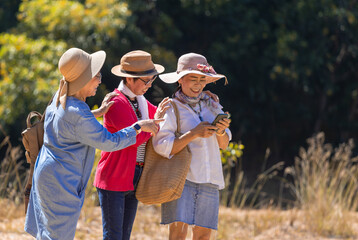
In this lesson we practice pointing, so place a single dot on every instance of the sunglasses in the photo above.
(148, 82)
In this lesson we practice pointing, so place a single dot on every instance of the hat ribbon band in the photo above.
(62, 93)
(139, 73)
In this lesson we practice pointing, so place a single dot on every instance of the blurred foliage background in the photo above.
(291, 64)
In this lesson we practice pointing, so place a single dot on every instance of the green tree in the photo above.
(8, 11)
(291, 65)
(45, 29)
(28, 77)
(91, 25)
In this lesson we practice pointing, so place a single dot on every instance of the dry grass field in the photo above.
(323, 180)
(233, 224)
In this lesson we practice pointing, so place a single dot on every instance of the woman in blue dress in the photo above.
(71, 136)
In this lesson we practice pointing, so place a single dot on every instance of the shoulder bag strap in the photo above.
(176, 111)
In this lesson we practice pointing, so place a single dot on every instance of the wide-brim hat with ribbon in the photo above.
(137, 63)
(78, 68)
(192, 63)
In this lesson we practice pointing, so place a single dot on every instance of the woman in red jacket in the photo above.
(118, 172)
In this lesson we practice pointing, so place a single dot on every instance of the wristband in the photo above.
(137, 128)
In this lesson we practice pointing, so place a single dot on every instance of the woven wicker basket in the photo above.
(163, 179)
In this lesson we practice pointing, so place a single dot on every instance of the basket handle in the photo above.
(177, 116)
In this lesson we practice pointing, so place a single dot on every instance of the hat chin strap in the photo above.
(62, 95)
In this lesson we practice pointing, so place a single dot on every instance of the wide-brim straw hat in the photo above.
(137, 63)
(78, 68)
(192, 63)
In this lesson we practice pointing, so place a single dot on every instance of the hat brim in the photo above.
(97, 61)
(118, 71)
(174, 76)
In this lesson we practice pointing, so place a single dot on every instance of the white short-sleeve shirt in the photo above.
(205, 164)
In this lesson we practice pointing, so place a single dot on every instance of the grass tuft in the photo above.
(325, 186)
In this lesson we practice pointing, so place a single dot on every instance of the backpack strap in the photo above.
(43, 115)
(35, 131)
(31, 115)
(40, 116)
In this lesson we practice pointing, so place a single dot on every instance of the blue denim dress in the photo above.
(64, 166)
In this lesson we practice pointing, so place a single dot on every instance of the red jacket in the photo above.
(115, 170)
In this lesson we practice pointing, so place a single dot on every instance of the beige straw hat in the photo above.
(77, 68)
(192, 63)
(137, 64)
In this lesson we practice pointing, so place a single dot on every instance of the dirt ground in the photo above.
(234, 224)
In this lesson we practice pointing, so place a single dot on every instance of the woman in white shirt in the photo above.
(199, 202)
